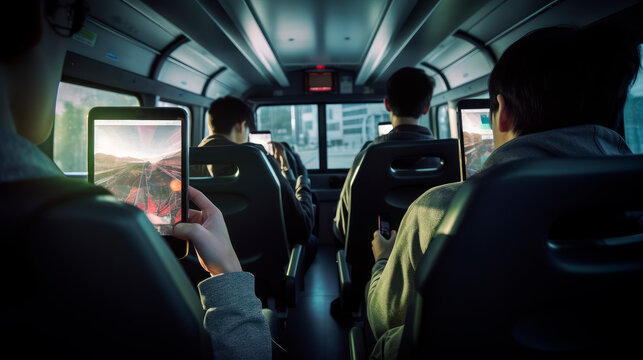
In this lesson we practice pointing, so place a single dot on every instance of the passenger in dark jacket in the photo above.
(230, 121)
(408, 96)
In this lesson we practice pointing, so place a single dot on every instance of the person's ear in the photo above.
(426, 110)
(387, 105)
(504, 118)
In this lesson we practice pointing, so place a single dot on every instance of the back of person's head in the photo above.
(228, 111)
(409, 92)
(610, 65)
(561, 76)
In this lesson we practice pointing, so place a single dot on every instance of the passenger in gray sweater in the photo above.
(30, 71)
(542, 105)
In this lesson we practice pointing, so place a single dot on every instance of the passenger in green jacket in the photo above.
(557, 92)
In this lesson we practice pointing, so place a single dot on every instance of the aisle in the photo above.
(311, 332)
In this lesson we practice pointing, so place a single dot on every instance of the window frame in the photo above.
(319, 129)
(48, 145)
(190, 108)
(321, 126)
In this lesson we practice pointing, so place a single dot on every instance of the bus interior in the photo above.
(314, 72)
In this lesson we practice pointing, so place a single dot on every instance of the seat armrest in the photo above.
(356, 344)
(345, 284)
(293, 272)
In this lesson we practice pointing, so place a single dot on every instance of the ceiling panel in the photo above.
(449, 51)
(469, 68)
(445, 19)
(333, 32)
(196, 56)
(440, 86)
(114, 49)
(232, 81)
(128, 20)
(199, 26)
(584, 12)
(175, 73)
(504, 16)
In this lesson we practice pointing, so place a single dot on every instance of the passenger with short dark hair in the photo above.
(557, 92)
(46, 302)
(230, 121)
(408, 96)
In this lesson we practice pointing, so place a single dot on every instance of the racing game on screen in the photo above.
(477, 138)
(139, 161)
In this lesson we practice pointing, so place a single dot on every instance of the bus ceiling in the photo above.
(261, 49)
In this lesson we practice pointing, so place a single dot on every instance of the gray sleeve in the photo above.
(233, 317)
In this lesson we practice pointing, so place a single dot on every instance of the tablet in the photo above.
(384, 128)
(263, 138)
(476, 136)
(140, 155)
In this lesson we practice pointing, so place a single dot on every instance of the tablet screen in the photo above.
(139, 161)
(264, 139)
(477, 138)
(383, 129)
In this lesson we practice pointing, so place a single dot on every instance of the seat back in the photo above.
(89, 277)
(535, 258)
(250, 201)
(378, 188)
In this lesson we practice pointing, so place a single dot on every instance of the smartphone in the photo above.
(140, 155)
(384, 128)
(476, 136)
(263, 138)
(384, 226)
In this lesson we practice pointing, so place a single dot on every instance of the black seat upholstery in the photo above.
(378, 188)
(251, 205)
(535, 258)
(89, 277)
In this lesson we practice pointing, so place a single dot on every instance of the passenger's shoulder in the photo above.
(437, 198)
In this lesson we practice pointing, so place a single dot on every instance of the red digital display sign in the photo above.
(320, 81)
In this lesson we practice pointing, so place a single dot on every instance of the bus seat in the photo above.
(86, 276)
(250, 202)
(378, 188)
(535, 259)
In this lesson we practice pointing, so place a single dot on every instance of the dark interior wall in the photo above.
(296, 78)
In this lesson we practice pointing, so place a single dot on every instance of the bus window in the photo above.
(162, 103)
(348, 127)
(295, 125)
(425, 120)
(70, 123)
(633, 114)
